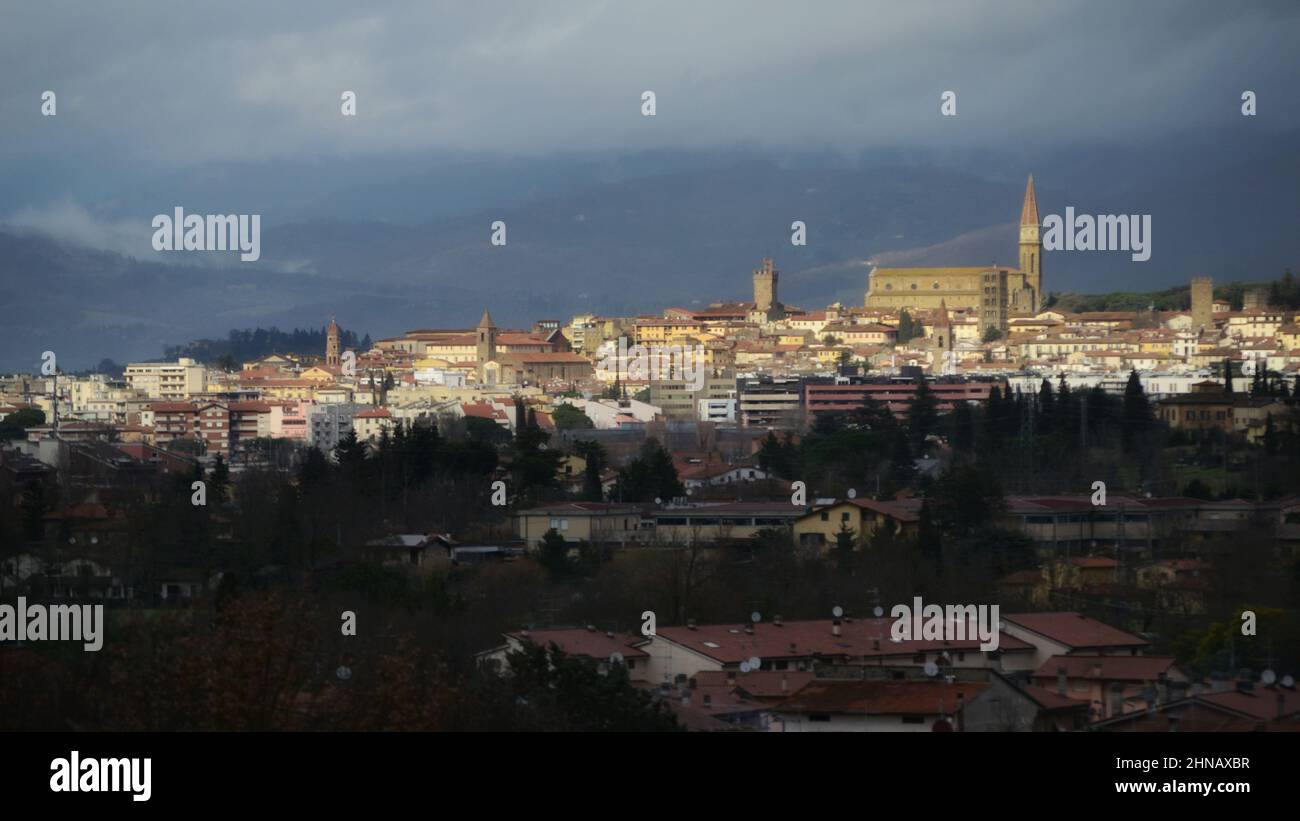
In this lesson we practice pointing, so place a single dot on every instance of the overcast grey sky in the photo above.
(165, 83)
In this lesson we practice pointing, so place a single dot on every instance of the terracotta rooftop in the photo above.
(881, 697)
(1074, 630)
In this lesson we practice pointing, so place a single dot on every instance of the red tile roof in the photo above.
(801, 639)
(1105, 668)
(881, 697)
(1260, 702)
(579, 641)
(1074, 630)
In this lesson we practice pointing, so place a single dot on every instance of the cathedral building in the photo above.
(991, 293)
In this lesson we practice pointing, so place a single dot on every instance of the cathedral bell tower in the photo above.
(1031, 250)
(486, 340)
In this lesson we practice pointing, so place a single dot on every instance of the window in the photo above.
(844, 517)
(820, 717)
(913, 719)
(913, 286)
(826, 516)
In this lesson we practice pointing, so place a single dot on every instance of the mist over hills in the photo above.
(406, 246)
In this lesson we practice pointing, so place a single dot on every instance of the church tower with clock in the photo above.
(1031, 252)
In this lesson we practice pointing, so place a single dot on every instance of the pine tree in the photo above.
(922, 414)
(963, 428)
(1137, 412)
(219, 480)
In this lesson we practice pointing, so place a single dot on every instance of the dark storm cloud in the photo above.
(184, 83)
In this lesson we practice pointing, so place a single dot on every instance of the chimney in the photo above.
(690, 624)
(591, 628)
(1062, 685)
(875, 644)
(776, 621)
(785, 687)
(609, 634)
(835, 627)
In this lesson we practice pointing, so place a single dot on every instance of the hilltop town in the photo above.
(1116, 481)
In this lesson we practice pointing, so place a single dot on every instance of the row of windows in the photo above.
(889, 286)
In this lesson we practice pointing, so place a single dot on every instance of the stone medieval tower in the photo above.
(332, 359)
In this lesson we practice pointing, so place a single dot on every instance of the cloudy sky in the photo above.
(532, 110)
(164, 85)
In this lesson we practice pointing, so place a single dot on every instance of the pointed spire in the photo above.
(486, 321)
(1029, 214)
(942, 321)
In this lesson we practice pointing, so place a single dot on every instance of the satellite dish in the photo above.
(931, 669)
(755, 662)
(756, 617)
(744, 667)
(1268, 677)
(879, 611)
(658, 501)
(853, 494)
(616, 658)
(837, 611)
(344, 673)
(1288, 682)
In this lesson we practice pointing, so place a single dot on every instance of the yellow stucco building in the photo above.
(992, 292)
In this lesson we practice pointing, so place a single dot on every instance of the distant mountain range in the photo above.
(639, 238)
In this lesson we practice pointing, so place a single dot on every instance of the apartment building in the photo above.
(771, 402)
(679, 399)
(170, 381)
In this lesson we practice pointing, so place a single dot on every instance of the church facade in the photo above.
(992, 292)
